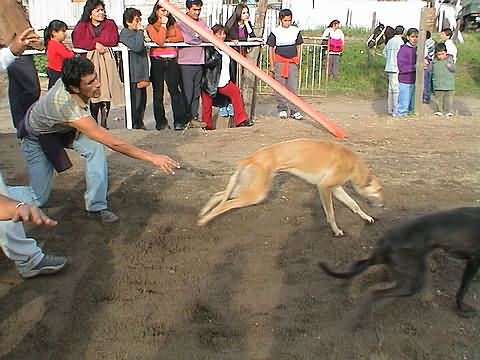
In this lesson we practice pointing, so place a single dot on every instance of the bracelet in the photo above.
(19, 204)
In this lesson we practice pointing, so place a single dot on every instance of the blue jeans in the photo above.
(40, 172)
(17, 247)
(406, 98)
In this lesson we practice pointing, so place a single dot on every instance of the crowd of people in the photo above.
(439, 72)
(190, 72)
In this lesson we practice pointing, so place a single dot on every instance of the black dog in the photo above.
(404, 249)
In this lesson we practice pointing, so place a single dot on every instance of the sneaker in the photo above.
(106, 216)
(297, 116)
(48, 265)
(449, 114)
(245, 123)
(437, 113)
(223, 111)
(230, 109)
(283, 114)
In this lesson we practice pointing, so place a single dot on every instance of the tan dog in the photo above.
(326, 164)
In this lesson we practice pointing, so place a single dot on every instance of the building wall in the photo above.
(406, 13)
(358, 12)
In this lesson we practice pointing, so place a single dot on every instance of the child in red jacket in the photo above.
(54, 36)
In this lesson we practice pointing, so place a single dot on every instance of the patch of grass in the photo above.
(360, 77)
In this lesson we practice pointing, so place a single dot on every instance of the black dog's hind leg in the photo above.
(470, 271)
(409, 278)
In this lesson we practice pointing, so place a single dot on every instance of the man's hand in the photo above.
(26, 212)
(22, 41)
(165, 163)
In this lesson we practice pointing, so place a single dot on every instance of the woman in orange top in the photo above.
(162, 28)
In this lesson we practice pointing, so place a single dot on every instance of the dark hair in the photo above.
(284, 13)
(236, 16)
(153, 18)
(448, 32)
(73, 69)
(189, 3)
(428, 34)
(399, 30)
(88, 8)
(334, 22)
(412, 31)
(218, 28)
(129, 14)
(55, 25)
(440, 47)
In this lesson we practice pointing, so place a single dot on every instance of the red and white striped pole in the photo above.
(254, 69)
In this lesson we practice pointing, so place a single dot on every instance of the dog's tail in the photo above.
(222, 196)
(357, 268)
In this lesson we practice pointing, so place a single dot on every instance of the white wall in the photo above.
(406, 13)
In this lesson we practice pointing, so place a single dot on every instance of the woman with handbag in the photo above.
(335, 40)
(97, 34)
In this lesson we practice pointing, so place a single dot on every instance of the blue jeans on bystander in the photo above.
(406, 98)
(40, 172)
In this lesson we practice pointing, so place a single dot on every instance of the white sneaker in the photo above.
(297, 116)
(449, 114)
(437, 113)
(283, 115)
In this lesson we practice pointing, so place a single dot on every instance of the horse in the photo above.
(380, 35)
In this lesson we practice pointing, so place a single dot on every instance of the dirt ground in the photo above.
(246, 286)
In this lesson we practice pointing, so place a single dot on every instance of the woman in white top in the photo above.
(335, 46)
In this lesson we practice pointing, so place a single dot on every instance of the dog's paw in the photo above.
(369, 219)
(338, 233)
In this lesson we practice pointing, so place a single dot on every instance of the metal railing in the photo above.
(126, 66)
(311, 74)
(312, 79)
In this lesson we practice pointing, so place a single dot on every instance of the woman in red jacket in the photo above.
(95, 32)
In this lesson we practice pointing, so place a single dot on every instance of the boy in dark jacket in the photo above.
(217, 80)
(443, 81)
(132, 36)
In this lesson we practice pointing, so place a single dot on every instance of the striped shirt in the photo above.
(57, 107)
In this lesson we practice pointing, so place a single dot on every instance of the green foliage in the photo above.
(350, 32)
(361, 77)
(40, 62)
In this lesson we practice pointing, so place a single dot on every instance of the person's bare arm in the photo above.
(89, 128)
(271, 50)
(299, 52)
(19, 211)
